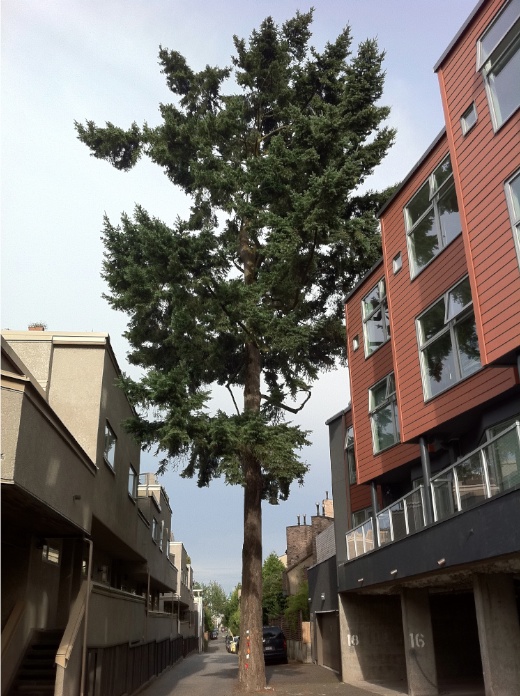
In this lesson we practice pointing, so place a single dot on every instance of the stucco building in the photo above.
(85, 537)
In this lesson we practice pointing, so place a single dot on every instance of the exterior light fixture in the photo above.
(441, 561)
(323, 596)
(393, 572)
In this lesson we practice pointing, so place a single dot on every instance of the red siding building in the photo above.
(428, 539)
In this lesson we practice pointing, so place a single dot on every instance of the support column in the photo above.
(499, 633)
(371, 638)
(418, 638)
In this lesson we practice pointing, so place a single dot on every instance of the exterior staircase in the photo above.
(36, 675)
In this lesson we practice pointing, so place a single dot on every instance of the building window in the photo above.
(50, 554)
(110, 446)
(350, 455)
(161, 535)
(468, 119)
(355, 343)
(376, 325)
(432, 217)
(513, 201)
(382, 405)
(397, 263)
(498, 59)
(155, 530)
(361, 516)
(448, 340)
(132, 482)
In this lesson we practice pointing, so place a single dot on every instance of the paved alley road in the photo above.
(215, 673)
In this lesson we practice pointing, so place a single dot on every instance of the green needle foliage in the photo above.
(247, 292)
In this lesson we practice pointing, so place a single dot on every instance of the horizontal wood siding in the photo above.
(363, 374)
(483, 161)
(408, 299)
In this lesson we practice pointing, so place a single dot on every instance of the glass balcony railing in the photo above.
(491, 469)
(487, 471)
(401, 518)
(360, 540)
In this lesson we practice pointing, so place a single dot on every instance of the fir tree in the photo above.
(248, 291)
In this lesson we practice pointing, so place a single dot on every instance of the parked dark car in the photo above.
(275, 644)
(214, 634)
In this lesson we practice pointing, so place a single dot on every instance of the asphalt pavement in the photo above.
(215, 672)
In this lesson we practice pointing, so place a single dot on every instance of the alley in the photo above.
(216, 672)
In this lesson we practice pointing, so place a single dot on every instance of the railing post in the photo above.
(373, 493)
(426, 472)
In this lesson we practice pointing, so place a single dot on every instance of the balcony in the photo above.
(489, 470)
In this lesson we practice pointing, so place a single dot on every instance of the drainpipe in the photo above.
(427, 474)
(85, 621)
(375, 510)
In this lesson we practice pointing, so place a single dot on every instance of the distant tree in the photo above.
(232, 612)
(214, 597)
(273, 599)
(248, 291)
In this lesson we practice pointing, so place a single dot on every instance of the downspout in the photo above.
(147, 606)
(85, 621)
(375, 510)
(426, 473)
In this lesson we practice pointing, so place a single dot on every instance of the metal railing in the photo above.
(492, 468)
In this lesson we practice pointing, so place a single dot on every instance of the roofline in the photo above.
(457, 36)
(412, 171)
(362, 279)
(339, 414)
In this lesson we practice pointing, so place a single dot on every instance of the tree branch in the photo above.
(291, 409)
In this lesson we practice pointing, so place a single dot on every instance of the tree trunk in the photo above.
(251, 667)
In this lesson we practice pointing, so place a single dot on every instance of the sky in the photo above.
(67, 60)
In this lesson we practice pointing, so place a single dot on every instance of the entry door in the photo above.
(328, 625)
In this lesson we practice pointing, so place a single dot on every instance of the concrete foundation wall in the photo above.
(371, 632)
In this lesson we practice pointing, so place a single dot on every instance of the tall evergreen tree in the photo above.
(248, 291)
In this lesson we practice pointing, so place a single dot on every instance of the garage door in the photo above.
(328, 640)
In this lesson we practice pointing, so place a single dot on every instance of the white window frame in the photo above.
(155, 527)
(109, 451)
(133, 479)
(368, 314)
(498, 45)
(389, 402)
(451, 322)
(436, 192)
(513, 204)
(469, 119)
(350, 455)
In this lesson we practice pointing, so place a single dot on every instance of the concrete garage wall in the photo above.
(372, 647)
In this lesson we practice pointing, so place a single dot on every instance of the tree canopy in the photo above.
(247, 292)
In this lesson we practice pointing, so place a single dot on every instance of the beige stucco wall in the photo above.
(115, 617)
(11, 414)
(36, 355)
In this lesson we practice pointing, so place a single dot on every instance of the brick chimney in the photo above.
(37, 326)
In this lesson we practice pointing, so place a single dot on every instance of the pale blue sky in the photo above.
(97, 59)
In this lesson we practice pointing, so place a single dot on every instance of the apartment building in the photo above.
(426, 459)
(85, 536)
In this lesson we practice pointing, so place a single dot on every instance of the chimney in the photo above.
(298, 520)
(37, 326)
(305, 519)
(317, 509)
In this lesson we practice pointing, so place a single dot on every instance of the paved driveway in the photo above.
(215, 673)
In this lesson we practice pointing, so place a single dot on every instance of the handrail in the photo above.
(73, 625)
